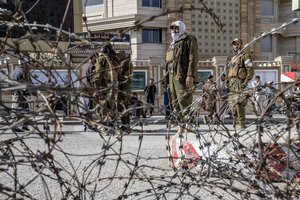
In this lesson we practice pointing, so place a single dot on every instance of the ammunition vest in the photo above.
(237, 68)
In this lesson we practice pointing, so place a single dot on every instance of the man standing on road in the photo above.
(270, 93)
(223, 92)
(258, 95)
(20, 97)
(240, 73)
(124, 88)
(182, 59)
(150, 91)
(85, 101)
(209, 98)
(106, 76)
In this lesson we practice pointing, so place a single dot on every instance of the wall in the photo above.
(120, 7)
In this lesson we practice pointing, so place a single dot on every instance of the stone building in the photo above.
(242, 18)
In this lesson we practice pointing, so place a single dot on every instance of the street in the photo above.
(91, 165)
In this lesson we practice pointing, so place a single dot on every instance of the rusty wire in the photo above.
(233, 165)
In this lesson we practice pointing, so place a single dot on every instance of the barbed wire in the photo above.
(260, 162)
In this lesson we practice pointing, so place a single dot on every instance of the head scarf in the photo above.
(182, 30)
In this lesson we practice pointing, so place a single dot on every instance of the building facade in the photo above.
(115, 16)
(241, 18)
(146, 22)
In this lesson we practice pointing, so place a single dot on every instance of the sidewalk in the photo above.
(160, 119)
(152, 125)
(155, 119)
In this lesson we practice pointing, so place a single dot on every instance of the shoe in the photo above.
(110, 131)
(46, 128)
(17, 130)
(125, 128)
(87, 127)
(25, 128)
(110, 124)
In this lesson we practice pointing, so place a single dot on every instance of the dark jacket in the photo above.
(150, 91)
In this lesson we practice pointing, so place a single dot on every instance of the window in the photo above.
(91, 2)
(151, 36)
(139, 80)
(266, 7)
(203, 75)
(266, 44)
(151, 3)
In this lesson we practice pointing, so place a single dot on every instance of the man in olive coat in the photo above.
(182, 59)
(106, 75)
(124, 87)
(240, 73)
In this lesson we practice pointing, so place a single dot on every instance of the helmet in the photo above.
(237, 40)
(107, 48)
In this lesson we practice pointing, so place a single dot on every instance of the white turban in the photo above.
(182, 30)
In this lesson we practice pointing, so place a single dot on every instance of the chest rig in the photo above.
(237, 68)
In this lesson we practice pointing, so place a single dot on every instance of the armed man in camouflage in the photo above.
(113, 80)
(105, 78)
(239, 74)
(182, 59)
(124, 88)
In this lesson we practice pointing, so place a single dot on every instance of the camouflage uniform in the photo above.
(182, 59)
(240, 73)
(106, 75)
(124, 87)
(210, 96)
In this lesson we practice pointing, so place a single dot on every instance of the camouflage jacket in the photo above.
(239, 70)
(184, 58)
(125, 71)
(106, 69)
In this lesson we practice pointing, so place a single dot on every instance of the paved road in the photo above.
(105, 167)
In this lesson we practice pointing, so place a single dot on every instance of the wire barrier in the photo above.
(64, 155)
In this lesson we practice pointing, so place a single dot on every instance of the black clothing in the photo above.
(150, 91)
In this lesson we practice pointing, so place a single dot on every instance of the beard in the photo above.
(175, 36)
(236, 50)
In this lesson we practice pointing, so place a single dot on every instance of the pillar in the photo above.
(285, 63)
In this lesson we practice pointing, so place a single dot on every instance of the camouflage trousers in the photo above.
(237, 102)
(123, 101)
(110, 109)
(180, 95)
